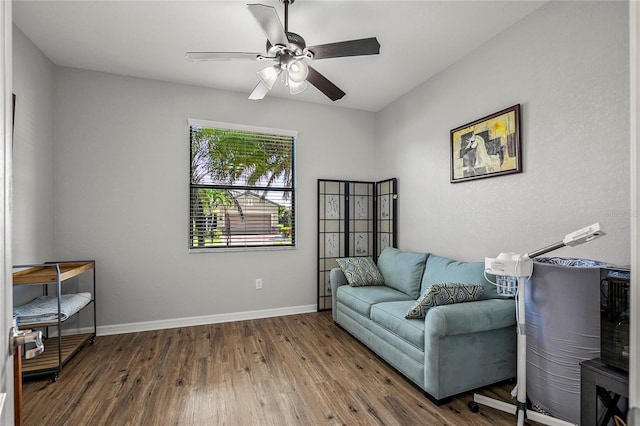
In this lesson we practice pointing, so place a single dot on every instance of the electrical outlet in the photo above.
(258, 283)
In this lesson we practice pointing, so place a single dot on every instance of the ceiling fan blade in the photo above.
(364, 46)
(259, 92)
(268, 19)
(223, 56)
(332, 91)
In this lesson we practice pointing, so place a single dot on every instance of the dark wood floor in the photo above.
(291, 370)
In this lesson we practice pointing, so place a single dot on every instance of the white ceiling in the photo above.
(149, 39)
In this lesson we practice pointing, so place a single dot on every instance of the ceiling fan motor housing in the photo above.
(296, 47)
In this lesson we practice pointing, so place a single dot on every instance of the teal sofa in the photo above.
(455, 348)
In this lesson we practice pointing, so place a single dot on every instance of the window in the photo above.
(242, 191)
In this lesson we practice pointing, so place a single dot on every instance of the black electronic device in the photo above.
(615, 298)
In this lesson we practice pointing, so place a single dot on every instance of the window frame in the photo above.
(293, 134)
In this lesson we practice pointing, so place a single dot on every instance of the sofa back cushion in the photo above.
(442, 270)
(402, 270)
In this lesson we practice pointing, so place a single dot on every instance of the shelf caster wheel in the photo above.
(54, 378)
(473, 406)
(92, 340)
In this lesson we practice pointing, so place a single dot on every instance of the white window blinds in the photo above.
(242, 189)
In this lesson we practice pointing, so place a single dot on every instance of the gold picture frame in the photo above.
(487, 147)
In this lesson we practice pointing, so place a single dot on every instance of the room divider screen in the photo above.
(355, 218)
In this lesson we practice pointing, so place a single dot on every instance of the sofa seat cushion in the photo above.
(391, 315)
(360, 299)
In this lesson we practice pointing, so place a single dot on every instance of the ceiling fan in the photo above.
(290, 52)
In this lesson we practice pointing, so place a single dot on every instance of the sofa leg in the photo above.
(437, 401)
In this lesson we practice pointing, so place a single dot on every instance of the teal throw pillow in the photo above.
(444, 294)
(360, 271)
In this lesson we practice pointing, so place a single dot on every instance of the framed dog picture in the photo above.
(487, 147)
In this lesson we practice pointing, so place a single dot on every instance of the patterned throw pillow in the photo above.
(444, 294)
(360, 271)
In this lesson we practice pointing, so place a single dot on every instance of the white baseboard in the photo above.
(135, 327)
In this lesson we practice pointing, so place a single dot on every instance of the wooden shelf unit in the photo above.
(49, 360)
(47, 273)
(60, 348)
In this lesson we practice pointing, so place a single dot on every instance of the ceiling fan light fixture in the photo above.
(298, 71)
(269, 75)
(297, 87)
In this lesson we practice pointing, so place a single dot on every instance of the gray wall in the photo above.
(33, 176)
(119, 171)
(32, 152)
(121, 163)
(567, 64)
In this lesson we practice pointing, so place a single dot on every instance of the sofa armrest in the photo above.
(470, 317)
(337, 278)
